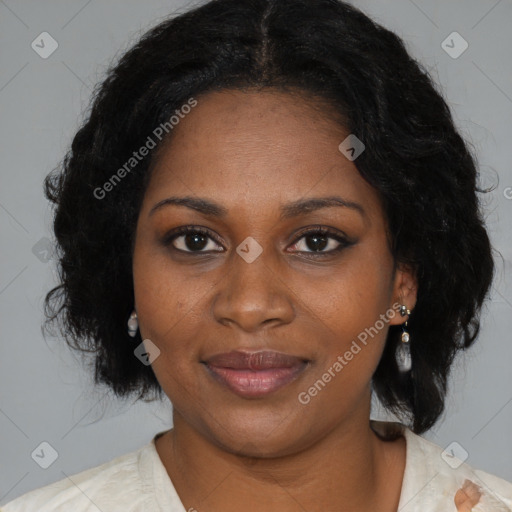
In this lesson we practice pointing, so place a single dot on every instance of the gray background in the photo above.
(46, 394)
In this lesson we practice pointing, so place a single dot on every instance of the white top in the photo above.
(138, 482)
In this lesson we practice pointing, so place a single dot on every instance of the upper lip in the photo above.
(259, 360)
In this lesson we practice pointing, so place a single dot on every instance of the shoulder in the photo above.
(440, 472)
(116, 482)
(434, 476)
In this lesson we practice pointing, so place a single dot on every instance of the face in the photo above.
(259, 275)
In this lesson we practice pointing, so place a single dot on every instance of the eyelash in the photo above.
(315, 230)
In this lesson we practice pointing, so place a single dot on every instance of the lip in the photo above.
(255, 374)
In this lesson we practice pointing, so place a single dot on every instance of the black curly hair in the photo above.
(421, 167)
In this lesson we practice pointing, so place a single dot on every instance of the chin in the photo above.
(259, 434)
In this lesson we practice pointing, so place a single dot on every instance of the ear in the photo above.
(405, 290)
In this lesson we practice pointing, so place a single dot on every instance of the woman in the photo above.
(268, 216)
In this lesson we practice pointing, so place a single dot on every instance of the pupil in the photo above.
(191, 241)
(322, 243)
(197, 241)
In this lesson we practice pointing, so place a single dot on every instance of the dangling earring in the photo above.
(403, 351)
(133, 324)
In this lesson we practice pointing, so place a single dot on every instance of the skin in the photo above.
(467, 497)
(252, 152)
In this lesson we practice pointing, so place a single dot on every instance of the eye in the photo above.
(320, 238)
(192, 239)
(196, 239)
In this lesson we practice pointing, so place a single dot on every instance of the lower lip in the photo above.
(254, 384)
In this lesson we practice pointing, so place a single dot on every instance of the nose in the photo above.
(253, 295)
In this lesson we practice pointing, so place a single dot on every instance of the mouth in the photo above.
(255, 374)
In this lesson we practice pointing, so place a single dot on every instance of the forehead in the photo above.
(259, 147)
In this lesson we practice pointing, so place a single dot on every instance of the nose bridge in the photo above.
(252, 293)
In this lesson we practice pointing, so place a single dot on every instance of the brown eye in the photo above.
(321, 242)
(192, 239)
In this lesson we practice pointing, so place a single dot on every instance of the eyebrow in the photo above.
(293, 209)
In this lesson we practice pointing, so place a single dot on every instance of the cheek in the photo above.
(352, 313)
(352, 297)
(168, 305)
(164, 296)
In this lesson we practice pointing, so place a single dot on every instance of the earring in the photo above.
(133, 324)
(403, 351)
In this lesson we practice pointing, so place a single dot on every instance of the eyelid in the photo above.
(325, 230)
(339, 236)
(183, 230)
(342, 238)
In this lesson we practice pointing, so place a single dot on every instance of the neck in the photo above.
(348, 469)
